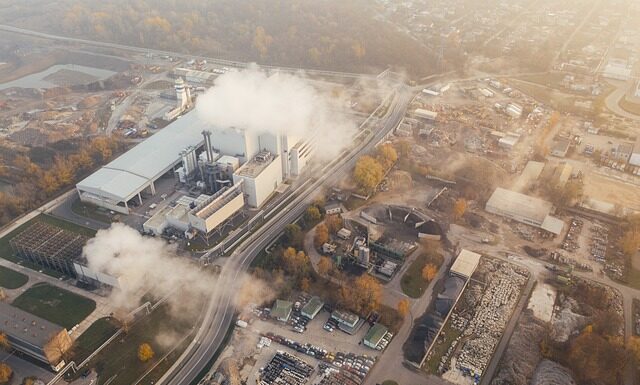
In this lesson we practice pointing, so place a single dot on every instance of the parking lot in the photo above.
(585, 245)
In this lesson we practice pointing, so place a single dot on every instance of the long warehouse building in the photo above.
(135, 171)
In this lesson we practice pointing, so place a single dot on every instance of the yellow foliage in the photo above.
(429, 272)
(368, 173)
(145, 352)
(403, 307)
(5, 373)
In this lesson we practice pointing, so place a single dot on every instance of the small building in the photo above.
(465, 264)
(426, 114)
(374, 336)
(560, 148)
(312, 308)
(344, 233)
(509, 141)
(623, 152)
(333, 208)
(347, 322)
(35, 337)
(281, 310)
(328, 248)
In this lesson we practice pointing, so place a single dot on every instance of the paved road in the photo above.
(220, 310)
(613, 100)
(390, 366)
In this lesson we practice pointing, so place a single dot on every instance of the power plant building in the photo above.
(218, 209)
(197, 154)
(35, 337)
(136, 171)
(260, 177)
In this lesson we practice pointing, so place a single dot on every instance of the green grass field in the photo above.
(11, 279)
(57, 305)
(120, 361)
(100, 331)
(412, 282)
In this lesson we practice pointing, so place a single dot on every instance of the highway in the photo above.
(220, 310)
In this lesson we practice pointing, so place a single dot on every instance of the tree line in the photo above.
(34, 183)
(335, 35)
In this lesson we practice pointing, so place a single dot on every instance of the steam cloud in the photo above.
(150, 265)
(144, 265)
(278, 103)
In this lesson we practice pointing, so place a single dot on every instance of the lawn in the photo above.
(57, 305)
(413, 283)
(100, 331)
(120, 361)
(11, 279)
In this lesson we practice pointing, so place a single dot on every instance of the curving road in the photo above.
(220, 310)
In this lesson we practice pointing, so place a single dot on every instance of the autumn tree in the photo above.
(325, 265)
(630, 242)
(305, 284)
(403, 307)
(5, 373)
(4, 341)
(387, 155)
(296, 262)
(368, 173)
(293, 235)
(364, 295)
(321, 236)
(145, 352)
(261, 41)
(334, 223)
(429, 272)
(595, 359)
(459, 208)
(312, 214)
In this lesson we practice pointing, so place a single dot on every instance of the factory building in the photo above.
(200, 156)
(312, 308)
(217, 209)
(524, 209)
(260, 177)
(374, 336)
(35, 337)
(114, 185)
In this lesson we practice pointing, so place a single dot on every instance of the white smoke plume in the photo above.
(143, 265)
(148, 265)
(277, 103)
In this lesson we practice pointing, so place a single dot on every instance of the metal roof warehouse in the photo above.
(136, 170)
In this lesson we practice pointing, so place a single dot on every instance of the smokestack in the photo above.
(207, 145)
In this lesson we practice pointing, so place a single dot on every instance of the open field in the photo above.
(56, 305)
(119, 361)
(11, 279)
(94, 336)
(412, 282)
(610, 190)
